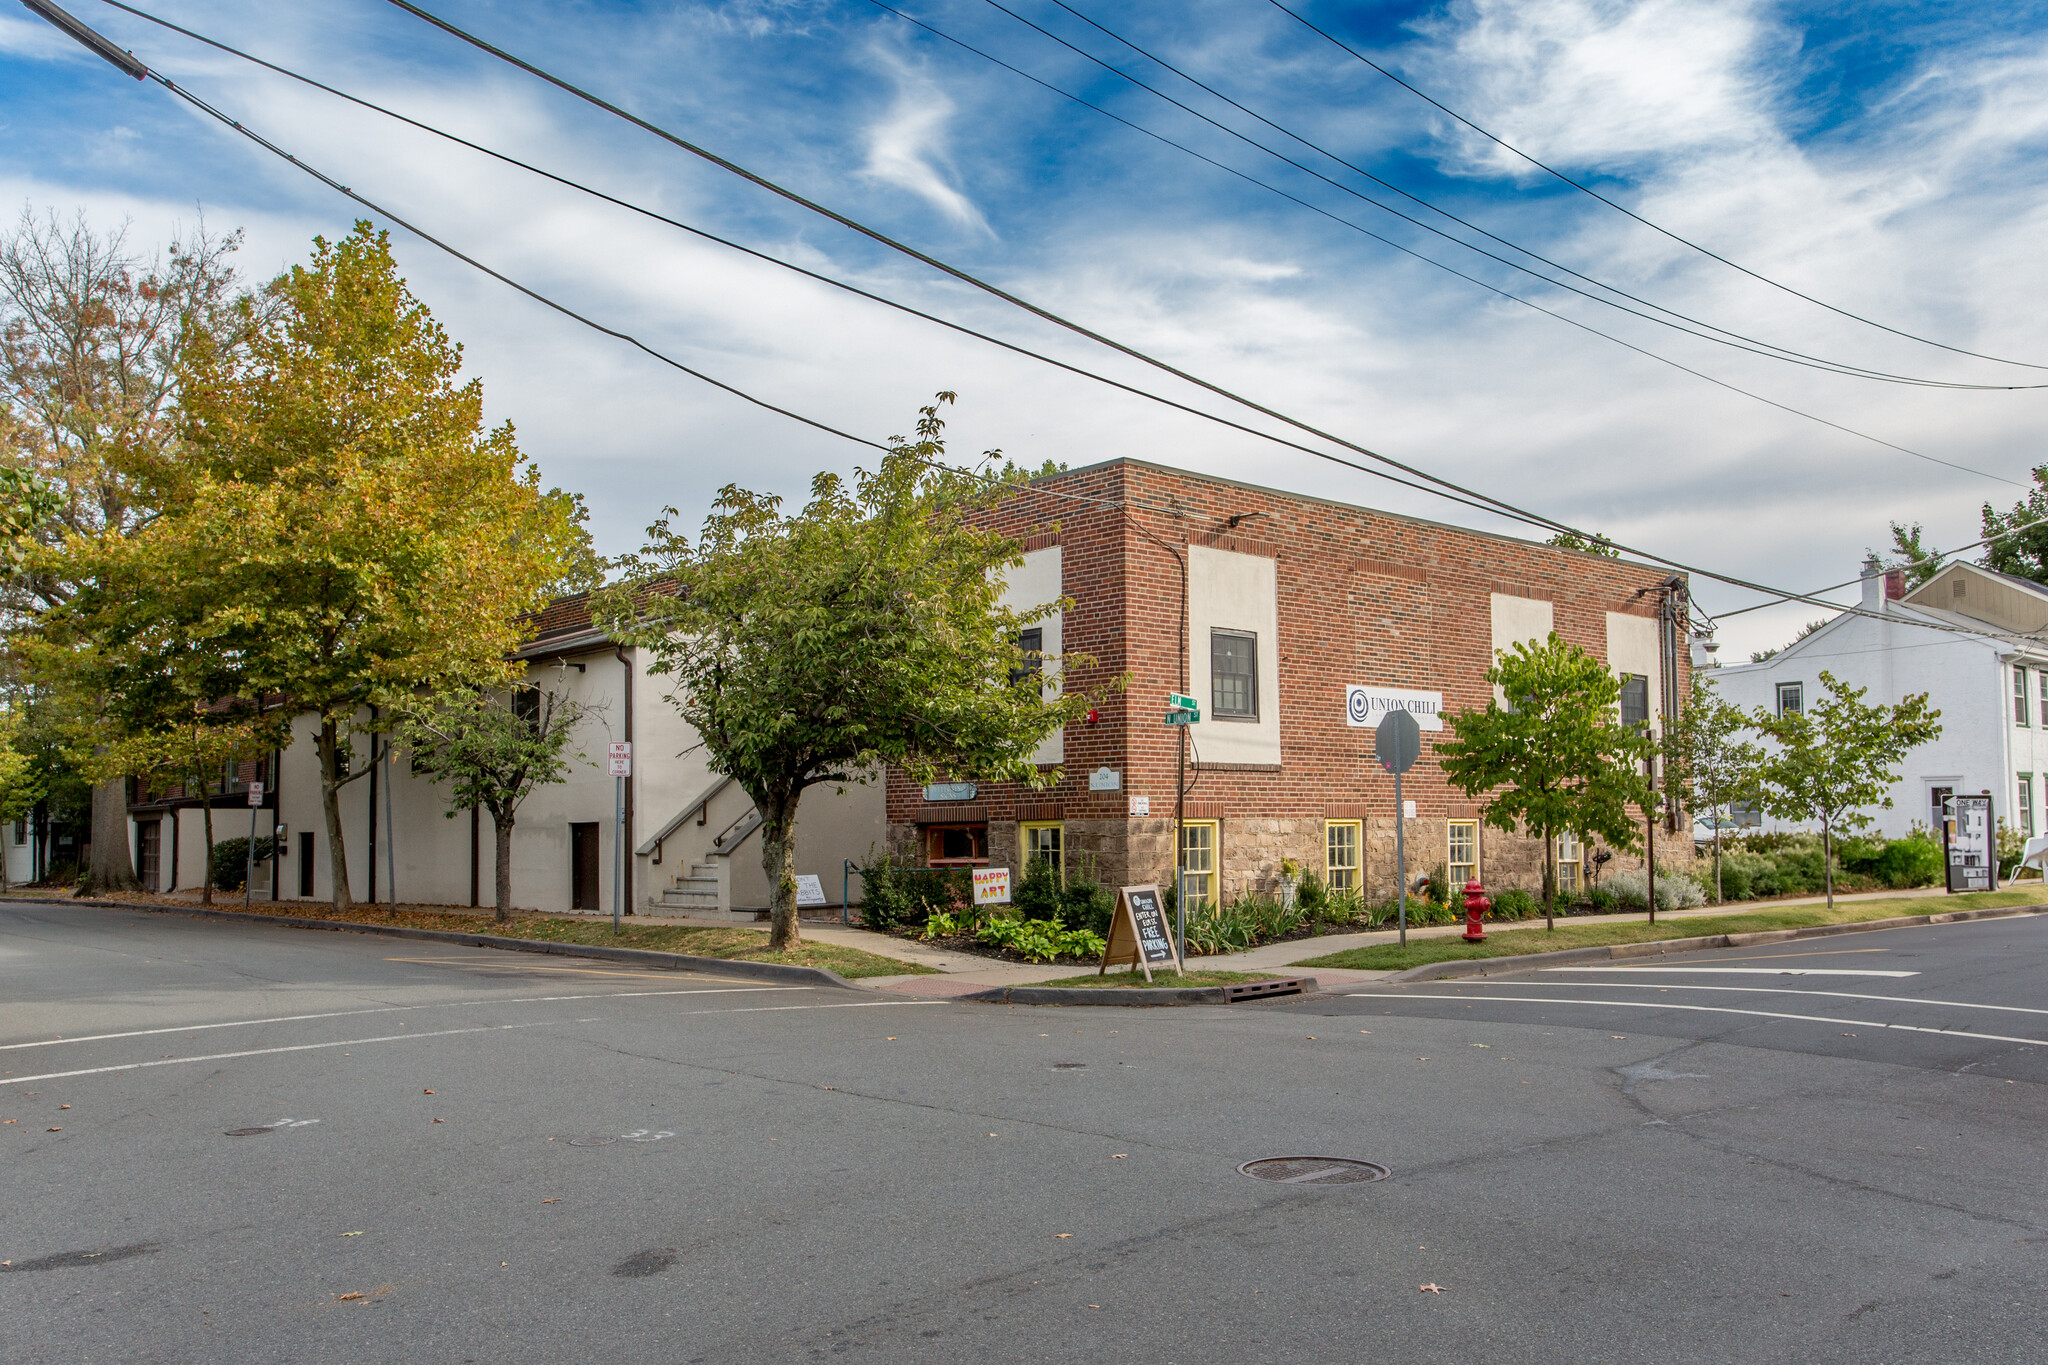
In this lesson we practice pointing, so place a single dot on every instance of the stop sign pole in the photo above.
(1397, 743)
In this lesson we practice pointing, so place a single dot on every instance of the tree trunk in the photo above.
(778, 861)
(1827, 859)
(502, 826)
(111, 869)
(330, 807)
(206, 881)
(1549, 880)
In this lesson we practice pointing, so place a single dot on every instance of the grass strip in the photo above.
(1161, 979)
(1521, 941)
(732, 944)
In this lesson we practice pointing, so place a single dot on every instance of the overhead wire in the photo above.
(887, 302)
(763, 256)
(1631, 213)
(128, 62)
(955, 272)
(1727, 337)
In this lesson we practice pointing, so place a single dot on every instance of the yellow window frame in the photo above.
(1355, 870)
(1027, 853)
(1452, 863)
(1207, 835)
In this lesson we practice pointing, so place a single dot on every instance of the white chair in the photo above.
(2035, 856)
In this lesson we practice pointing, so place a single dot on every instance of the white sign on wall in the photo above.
(1105, 780)
(1363, 706)
(619, 758)
(1141, 805)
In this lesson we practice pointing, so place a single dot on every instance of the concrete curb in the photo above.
(643, 957)
(1505, 966)
(1127, 996)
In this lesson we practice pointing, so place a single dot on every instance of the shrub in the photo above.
(229, 865)
(1439, 885)
(1243, 923)
(896, 894)
(1909, 862)
(1039, 940)
(1600, 896)
(1735, 878)
(1038, 893)
(1675, 890)
(1311, 895)
(1515, 903)
(1342, 907)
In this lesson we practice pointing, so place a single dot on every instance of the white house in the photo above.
(690, 834)
(1976, 642)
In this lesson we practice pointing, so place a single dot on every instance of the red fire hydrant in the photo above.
(1476, 906)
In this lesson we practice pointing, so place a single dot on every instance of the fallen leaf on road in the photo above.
(53, 1130)
(1095, 1305)
(1430, 1288)
(1848, 1035)
(63, 1106)
(991, 1134)
(1365, 1030)
(1619, 1037)
(1063, 1234)
(888, 1040)
(551, 1201)
(351, 1234)
(1422, 1059)
(352, 1294)
(1479, 1044)
(1118, 1156)
(426, 1092)
(10, 1120)
(440, 1120)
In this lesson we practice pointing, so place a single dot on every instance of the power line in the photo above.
(1938, 558)
(876, 235)
(1623, 209)
(985, 337)
(1732, 339)
(776, 261)
(128, 63)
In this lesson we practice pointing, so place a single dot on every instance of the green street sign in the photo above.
(1178, 702)
(1182, 717)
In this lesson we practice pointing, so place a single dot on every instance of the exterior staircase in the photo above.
(703, 885)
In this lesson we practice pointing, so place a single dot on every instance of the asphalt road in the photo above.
(1592, 1166)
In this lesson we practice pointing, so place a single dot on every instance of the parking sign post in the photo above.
(619, 762)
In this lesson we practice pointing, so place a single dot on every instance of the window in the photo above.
(1635, 700)
(1234, 675)
(1198, 862)
(956, 845)
(2020, 708)
(2026, 806)
(20, 833)
(149, 835)
(1571, 865)
(1030, 645)
(1791, 698)
(1461, 863)
(526, 705)
(1343, 855)
(1045, 843)
(1937, 802)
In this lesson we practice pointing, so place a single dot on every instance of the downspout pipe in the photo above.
(626, 857)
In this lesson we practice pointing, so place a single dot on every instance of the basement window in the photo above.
(956, 846)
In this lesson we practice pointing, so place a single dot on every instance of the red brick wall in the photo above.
(1364, 597)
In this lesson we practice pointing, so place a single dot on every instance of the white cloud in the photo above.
(907, 145)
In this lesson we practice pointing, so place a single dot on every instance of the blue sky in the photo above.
(1889, 159)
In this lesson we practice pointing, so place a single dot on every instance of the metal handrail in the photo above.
(690, 808)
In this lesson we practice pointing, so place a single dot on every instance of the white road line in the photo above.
(403, 1037)
(1711, 1009)
(393, 1009)
(1761, 990)
(263, 1052)
(1737, 971)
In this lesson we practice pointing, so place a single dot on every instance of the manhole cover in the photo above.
(1314, 1170)
(592, 1141)
(249, 1132)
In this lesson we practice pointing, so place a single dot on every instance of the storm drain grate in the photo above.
(1314, 1170)
(1258, 990)
(592, 1140)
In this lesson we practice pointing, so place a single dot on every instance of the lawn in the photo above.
(698, 941)
(1162, 978)
(1520, 940)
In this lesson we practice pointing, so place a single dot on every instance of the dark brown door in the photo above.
(583, 866)
(150, 835)
(305, 863)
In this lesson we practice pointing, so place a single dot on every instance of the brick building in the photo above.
(1290, 602)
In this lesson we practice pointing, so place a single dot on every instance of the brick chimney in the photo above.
(1894, 584)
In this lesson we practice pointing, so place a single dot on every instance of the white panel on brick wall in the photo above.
(1033, 584)
(1519, 620)
(1233, 592)
(1632, 648)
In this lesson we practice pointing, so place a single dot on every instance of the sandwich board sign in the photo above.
(1966, 833)
(1138, 933)
(809, 890)
(991, 886)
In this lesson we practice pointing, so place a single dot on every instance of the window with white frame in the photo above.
(1571, 865)
(1343, 855)
(2026, 805)
(1234, 674)
(1461, 861)
(2020, 708)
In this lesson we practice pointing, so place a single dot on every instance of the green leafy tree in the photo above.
(339, 526)
(1921, 562)
(1706, 760)
(866, 630)
(1838, 759)
(93, 340)
(1550, 756)
(492, 749)
(21, 785)
(1595, 545)
(2017, 547)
